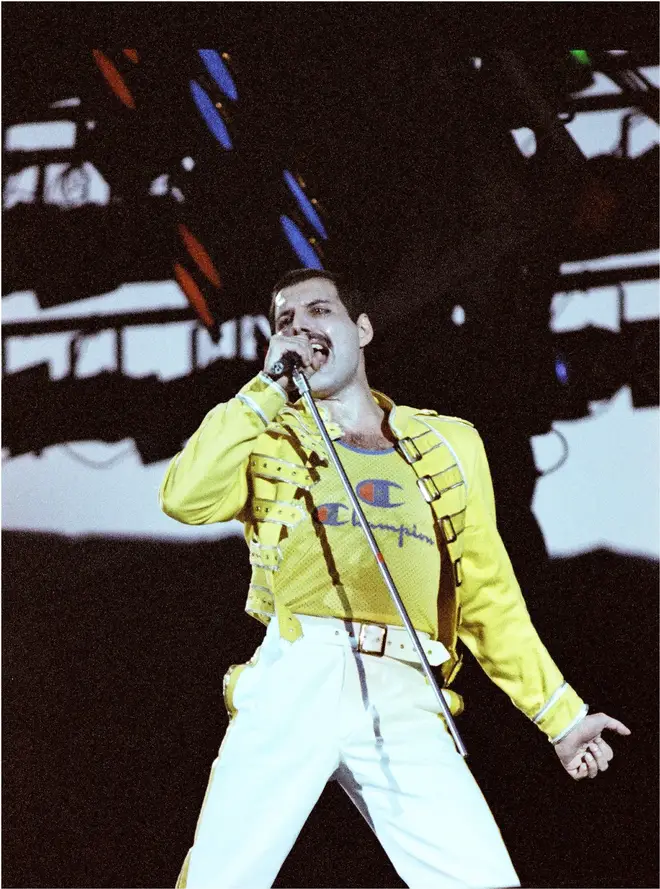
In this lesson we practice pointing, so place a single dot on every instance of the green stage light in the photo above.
(581, 56)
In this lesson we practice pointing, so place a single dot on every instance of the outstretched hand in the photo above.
(583, 752)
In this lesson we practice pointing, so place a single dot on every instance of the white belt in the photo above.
(379, 640)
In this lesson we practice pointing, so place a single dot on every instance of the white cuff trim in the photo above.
(253, 406)
(569, 728)
(550, 702)
(266, 379)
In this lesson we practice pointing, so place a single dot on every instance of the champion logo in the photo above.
(377, 492)
(328, 514)
(336, 514)
(374, 492)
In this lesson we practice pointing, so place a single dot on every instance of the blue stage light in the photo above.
(212, 117)
(561, 371)
(219, 72)
(302, 248)
(305, 205)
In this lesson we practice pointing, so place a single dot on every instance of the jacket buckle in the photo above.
(428, 488)
(409, 450)
(449, 535)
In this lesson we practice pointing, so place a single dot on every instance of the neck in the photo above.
(354, 408)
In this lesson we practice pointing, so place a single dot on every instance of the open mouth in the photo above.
(322, 351)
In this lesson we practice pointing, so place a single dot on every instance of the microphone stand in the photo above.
(303, 387)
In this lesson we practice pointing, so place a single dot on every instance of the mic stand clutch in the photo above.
(303, 387)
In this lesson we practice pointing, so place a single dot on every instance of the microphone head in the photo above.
(293, 359)
(287, 363)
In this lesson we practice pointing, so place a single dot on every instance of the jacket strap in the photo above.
(277, 470)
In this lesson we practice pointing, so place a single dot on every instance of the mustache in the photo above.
(319, 338)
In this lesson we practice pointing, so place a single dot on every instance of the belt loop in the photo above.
(289, 625)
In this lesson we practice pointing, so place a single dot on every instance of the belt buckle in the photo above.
(361, 639)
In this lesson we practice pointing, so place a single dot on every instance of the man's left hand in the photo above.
(583, 752)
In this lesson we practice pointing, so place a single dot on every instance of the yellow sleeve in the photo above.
(207, 481)
(495, 624)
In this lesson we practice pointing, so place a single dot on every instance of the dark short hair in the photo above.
(354, 301)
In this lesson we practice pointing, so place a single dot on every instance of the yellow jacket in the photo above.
(254, 454)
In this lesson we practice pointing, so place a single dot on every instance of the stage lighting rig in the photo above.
(643, 347)
(593, 364)
(85, 252)
(212, 90)
(68, 412)
(47, 156)
(113, 67)
(563, 73)
(19, 406)
(302, 224)
(309, 207)
(589, 365)
(110, 407)
(634, 89)
(615, 207)
(186, 279)
(106, 237)
(555, 75)
(219, 67)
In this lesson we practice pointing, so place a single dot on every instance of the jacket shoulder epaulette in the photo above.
(444, 417)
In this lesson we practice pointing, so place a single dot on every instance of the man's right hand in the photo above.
(300, 345)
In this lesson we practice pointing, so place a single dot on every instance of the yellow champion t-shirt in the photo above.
(328, 568)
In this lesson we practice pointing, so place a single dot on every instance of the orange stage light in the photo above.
(193, 294)
(113, 78)
(200, 256)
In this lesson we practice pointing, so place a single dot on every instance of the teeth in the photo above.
(317, 347)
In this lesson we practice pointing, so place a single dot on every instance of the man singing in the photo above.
(336, 689)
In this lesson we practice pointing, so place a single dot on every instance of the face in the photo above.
(313, 309)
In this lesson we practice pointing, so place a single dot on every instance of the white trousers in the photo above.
(317, 709)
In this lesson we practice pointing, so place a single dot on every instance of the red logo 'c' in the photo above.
(376, 492)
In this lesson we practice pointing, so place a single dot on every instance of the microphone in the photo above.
(286, 365)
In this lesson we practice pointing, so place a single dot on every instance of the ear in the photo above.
(365, 330)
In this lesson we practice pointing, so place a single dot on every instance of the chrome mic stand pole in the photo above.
(303, 387)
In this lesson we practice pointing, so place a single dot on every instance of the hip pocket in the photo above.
(230, 683)
(242, 681)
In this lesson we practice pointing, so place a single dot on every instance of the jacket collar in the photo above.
(398, 418)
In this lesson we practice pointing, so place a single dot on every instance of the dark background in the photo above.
(115, 649)
(113, 713)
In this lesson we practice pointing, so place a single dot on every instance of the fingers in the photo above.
(614, 725)
(298, 344)
(279, 345)
(588, 768)
(618, 727)
(592, 765)
(580, 772)
(605, 748)
(598, 755)
(596, 758)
